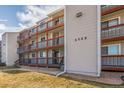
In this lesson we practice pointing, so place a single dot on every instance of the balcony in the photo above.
(51, 24)
(52, 61)
(42, 27)
(56, 61)
(56, 41)
(115, 61)
(23, 49)
(41, 61)
(25, 61)
(20, 50)
(33, 46)
(113, 33)
(106, 9)
(42, 44)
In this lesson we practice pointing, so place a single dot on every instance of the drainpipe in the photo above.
(65, 68)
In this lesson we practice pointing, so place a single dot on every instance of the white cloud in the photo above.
(3, 20)
(32, 14)
(2, 27)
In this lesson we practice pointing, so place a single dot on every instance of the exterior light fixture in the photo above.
(79, 14)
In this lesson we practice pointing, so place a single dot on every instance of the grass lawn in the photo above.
(26, 79)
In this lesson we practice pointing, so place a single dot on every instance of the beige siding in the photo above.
(82, 55)
(10, 41)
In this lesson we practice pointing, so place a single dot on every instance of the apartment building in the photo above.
(9, 46)
(112, 37)
(64, 39)
(43, 44)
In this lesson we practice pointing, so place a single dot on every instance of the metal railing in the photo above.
(113, 60)
(55, 60)
(33, 46)
(41, 61)
(56, 41)
(20, 50)
(52, 24)
(42, 44)
(113, 31)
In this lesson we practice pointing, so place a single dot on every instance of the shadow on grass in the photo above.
(97, 84)
(15, 71)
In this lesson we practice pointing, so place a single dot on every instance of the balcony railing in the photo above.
(42, 44)
(44, 27)
(41, 61)
(56, 41)
(113, 60)
(20, 50)
(55, 60)
(51, 24)
(23, 49)
(113, 31)
(33, 46)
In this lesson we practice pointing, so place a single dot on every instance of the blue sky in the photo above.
(9, 13)
(16, 17)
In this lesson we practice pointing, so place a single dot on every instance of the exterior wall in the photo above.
(10, 53)
(81, 55)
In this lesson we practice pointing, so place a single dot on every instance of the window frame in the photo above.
(119, 52)
(119, 21)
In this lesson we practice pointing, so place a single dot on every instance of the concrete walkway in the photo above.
(51, 71)
(113, 78)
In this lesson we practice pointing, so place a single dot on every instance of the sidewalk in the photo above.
(113, 78)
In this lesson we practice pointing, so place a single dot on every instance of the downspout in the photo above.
(64, 45)
(98, 40)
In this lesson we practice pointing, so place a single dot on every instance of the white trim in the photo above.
(65, 39)
(98, 55)
(112, 45)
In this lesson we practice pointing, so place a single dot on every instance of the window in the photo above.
(42, 26)
(32, 42)
(33, 30)
(61, 20)
(57, 22)
(111, 49)
(42, 54)
(33, 54)
(109, 23)
(42, 39)
(113, 22)
(104, 24)
(50, 24)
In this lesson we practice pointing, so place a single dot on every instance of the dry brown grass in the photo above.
(25, 79)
